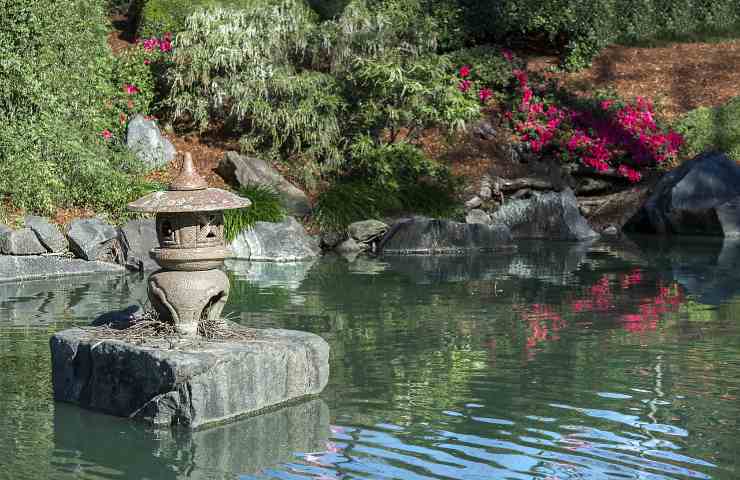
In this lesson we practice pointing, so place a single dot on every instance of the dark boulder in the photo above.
(552, 216)
(701, 197)
(20, 242)
(427, 235)
(138, 238)
(92, 239)
(49, 235)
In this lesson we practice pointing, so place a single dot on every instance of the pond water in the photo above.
(558, 361)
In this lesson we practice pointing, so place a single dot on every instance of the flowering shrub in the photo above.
(609, 135)
(140, 72)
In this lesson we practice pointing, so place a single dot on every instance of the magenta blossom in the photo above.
(106, 134)
(464, 71)
(464, 86)
(507, 54)
(130, 89)
(484, 94)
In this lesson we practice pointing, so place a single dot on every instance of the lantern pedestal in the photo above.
(191, 383)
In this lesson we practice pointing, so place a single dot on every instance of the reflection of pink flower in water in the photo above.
(335, 429)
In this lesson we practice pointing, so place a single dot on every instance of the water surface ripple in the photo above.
(600, 360)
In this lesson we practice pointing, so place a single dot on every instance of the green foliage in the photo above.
(388, 179)
(712, 129)
(487, 65)
(265, 207)
(155, 17)
(56, 97)
(581, 28)
(305, 91)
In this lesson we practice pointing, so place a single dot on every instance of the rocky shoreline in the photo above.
(537, 200)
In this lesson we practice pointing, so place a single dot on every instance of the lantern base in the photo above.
(187, 382)
(185, 298)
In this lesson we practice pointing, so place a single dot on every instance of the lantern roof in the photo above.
(188, 192)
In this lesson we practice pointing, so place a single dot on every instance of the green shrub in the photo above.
(305, 91)
(582, 28)
(266, 207)
(153, 18)
(57, 96)
(712, 129)
(387, 180)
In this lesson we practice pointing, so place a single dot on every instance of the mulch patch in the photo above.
(678, 77)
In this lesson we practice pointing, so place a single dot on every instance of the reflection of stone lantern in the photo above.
(190, 228)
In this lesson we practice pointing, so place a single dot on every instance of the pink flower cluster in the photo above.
(163, 44)
(618, 137)
(466, 83)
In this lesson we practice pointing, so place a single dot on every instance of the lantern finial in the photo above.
(188, 179)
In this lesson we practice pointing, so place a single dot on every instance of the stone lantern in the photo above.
(191, 286)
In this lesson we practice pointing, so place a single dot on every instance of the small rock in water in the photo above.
(474, 202)
(477, 216)
(350, 246)
(21, 242)
(49, 235)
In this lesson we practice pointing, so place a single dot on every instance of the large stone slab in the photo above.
(242, 170)
(192, 384)
(285, 241)
(49, 235)
(551, 216)
(17, 268)
(421, 235)
(701, 197)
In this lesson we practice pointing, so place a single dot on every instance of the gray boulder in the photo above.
(138, 238)
(242, 170)
(427, 235)
(478, 216)
(144, 138)
(91, 238)
(702, 196)
(191, 385)
(20, 242)
(367, 231)
(553, 216)
(286, 241)
(17, 268)
(49, 235)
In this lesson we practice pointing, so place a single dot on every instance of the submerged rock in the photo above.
(285, 241)
(146, 141)
(91, 238)
(138, 238)
(201, 383)
(702, 196)
(20, 242)
(426, 235)
(545, 216)
(477, 216)
(242, 170)
(48, 234)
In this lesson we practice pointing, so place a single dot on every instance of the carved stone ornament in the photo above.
(190, 229)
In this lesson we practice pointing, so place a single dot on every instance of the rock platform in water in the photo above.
(191, 383)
